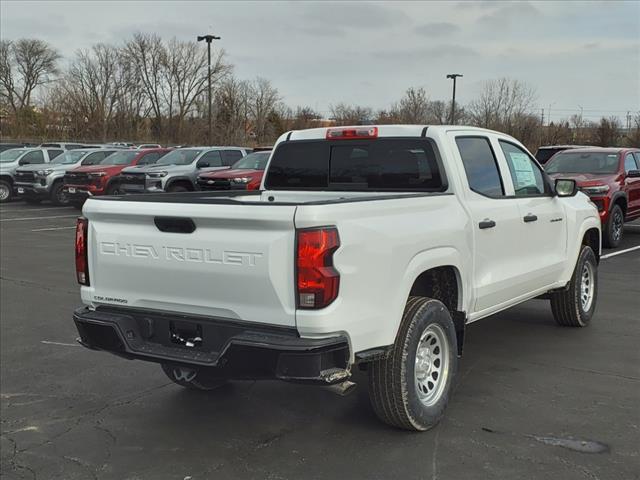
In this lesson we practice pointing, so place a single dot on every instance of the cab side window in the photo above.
(525, 173)
(629, 163)
(480, 166)
(212, 158)
(33, 157)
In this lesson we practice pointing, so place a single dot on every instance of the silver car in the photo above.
(37, 182)
(178, 170)
(11, 159)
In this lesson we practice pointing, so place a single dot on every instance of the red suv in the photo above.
(611, 177)
(245, 174)
(102, 179)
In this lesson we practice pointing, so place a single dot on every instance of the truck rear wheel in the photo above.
(410, 388)
(574, 305)
(196, 379)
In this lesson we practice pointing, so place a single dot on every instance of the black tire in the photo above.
(114, 189)
(567, 306)
(612, 235)
(32, 200)
(6, 191)
(393, 381)
(177, 188)
(58, 196)
(195, 379)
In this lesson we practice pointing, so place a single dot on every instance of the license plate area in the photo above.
(186, 334)
(20, 190)
(72, 189)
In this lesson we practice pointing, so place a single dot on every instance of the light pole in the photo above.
(208, 39)
(453, 76)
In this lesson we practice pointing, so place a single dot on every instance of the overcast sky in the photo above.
(319, 53)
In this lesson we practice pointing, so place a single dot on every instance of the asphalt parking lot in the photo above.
(527, 390)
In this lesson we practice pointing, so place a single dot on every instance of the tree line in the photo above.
(151, 89)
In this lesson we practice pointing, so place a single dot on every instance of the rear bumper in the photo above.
(240, 350)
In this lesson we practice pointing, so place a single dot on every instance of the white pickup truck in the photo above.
(369, 246)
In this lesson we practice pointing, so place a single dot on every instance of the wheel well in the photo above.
(185, 183)
(7, 178)
(622, 202)
(440, 283)
(592, 239)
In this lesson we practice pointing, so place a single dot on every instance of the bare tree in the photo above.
(414, 106)
(230, 107)
(607, 133)
(344, 114)
(149, 55)
(501, 103)
(24, 66)
(263, 98)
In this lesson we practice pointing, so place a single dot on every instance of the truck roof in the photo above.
(383, 131)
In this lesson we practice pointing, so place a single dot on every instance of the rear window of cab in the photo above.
(394, 164)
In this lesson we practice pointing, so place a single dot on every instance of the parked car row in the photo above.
(71, 176)
(611, 178)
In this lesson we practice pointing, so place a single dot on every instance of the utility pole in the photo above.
(209, 39)
(541, 125)
(453, 77)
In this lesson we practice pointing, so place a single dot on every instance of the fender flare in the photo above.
(173, 180)
(427, 260)
(7, 178)
(587, 224)
(616, 196)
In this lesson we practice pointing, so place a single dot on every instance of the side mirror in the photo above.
(202, 163)
(633, 173)
(566, 187)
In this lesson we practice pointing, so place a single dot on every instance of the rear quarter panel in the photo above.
(384, 246)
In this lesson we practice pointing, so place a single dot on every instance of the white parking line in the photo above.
(626, 250)
(47, 342)
(36, 218)
(17, 210)
(54, 228)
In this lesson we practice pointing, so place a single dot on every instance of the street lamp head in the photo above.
(454, 75)
(207, 38)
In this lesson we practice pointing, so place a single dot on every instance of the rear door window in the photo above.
(400, 164)
(53, 153)
(229, 157)
(480, 165)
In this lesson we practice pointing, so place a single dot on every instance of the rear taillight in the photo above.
(317, 279)
(82, 265)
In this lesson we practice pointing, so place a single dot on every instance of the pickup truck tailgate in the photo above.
(236, 264)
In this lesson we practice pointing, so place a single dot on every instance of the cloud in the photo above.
(426, 54)
(353, 15)
(436, 29)
(502, 17)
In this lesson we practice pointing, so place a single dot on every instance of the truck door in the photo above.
(499, 275)
(632, 184)
(543, 224)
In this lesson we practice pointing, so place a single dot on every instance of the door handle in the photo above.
(486, 223)
(530, 218)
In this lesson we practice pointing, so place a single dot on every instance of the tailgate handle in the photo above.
(175, 224)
